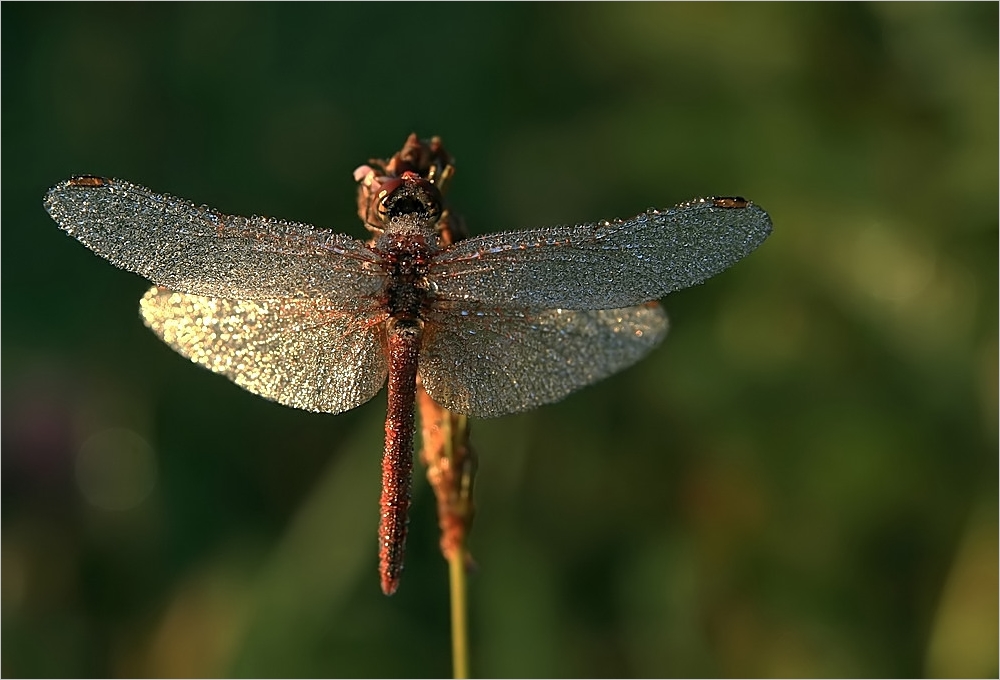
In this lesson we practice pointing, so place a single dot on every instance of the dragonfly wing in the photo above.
(196, 249)
(605, 265)
(486, 363)
(299, 353)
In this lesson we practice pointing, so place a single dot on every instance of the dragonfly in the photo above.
(489, 325)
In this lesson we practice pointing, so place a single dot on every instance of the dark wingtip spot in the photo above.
(87, 181)
(730, 202)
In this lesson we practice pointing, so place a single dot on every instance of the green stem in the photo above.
(459, 622)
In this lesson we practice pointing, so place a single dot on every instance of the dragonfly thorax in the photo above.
(406, 288)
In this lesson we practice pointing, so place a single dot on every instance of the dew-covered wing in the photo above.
(604, 265)
(196, 249)
(485, 362)
(299, 353)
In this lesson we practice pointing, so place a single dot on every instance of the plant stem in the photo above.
(459, 621)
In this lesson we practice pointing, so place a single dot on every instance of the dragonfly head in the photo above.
(408, 202)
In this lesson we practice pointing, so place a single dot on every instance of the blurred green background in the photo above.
(802, 481)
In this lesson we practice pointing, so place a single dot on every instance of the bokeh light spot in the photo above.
(116, 469)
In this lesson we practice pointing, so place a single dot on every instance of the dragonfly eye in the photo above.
(409, 194)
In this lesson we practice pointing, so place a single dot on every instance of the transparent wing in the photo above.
(298, 353)
(604, 265)
(483, 362)
(198, 250)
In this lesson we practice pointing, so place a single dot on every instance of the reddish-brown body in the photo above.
(397, 460)
(409, 207)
